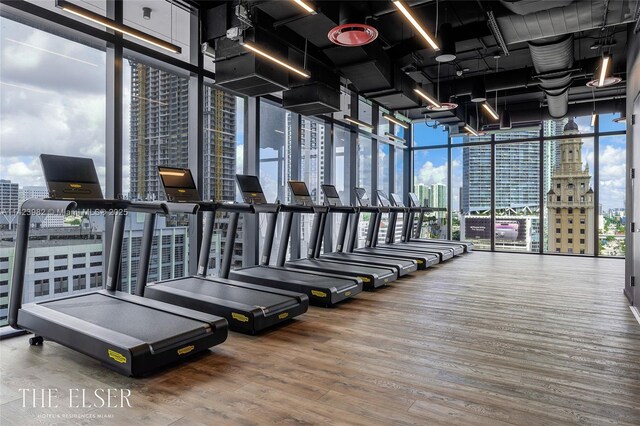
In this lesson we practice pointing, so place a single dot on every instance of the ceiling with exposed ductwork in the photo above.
(535, 57)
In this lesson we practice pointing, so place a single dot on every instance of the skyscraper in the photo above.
(570, 201)
(159, 120)
(8, 204)
(159, 132)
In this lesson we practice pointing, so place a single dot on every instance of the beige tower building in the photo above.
(570, 201)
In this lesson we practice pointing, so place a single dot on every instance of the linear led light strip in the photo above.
(603, 70)
(168, 173)
(124, 29)
(405, 11)
(305, 6)
(471, 130)
(490, 110)
(394, 137)
(429, 99)
(260, 52)
(394, 120)
(358, 122)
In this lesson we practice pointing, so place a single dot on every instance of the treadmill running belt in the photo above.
(144, 323)
(261, 299)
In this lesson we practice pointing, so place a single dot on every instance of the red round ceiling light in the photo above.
(352, 35)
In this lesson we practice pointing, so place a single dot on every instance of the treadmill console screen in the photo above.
(384, 201)
(251, 189)
(414, 199)
(361, 196)
(300, 192)
(331, 195)
(70, 177)
(178, 184)
(397, 201)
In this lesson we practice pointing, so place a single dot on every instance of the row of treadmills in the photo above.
(166, 321)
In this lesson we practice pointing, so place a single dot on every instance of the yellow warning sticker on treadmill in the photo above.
(318, 293)
(365, 279)
(347, 293)
(186, 350)
(75, 185)
(283, 315)
(239, 317)
(117, 356)
(420, 262)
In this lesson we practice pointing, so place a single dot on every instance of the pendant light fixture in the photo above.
(406, 11)
(441, 106)
(505, 117)
(110, 23)
(447, 51)
(604, 79)
(594, 115)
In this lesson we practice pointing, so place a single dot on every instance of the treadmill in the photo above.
(323, 289)
(443, 251)
(373, 276)
(249, 308)
(411, 234)
(403, 266)
(129, 334)
(396, 201)
(422, 258)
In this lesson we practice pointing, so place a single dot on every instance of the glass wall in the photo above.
(517, 192)
(53, 93)
(430, 183)
(223, 139)
(499, 180)
(312, 170)
(155, 133)
(275, 161)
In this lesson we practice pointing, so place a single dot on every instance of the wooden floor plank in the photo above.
(484, 339)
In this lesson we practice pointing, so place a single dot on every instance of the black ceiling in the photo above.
(403, 60)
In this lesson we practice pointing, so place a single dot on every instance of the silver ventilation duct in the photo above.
(552, 59)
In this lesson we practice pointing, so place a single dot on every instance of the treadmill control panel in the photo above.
(362, 197)
(178, 184)
(414, 199)
(301, 195)
(397, 200)
(382, 197)
(331, 195)
(70, 177)
(251, 189)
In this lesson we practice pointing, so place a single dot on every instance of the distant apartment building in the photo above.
(60, 262)
(8, 204)
(159, 119)
(48, 221)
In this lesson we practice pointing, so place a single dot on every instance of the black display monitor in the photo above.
(382, 197)
(251, 189)
(178, 184)
(70, 177)
(331, 195)
(300, 192)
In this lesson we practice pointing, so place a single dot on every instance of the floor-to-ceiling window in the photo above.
(53, 101)
(557, 188)
(275, 142)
